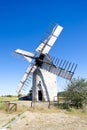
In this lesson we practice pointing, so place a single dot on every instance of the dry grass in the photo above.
(39, 117)
(6, 98)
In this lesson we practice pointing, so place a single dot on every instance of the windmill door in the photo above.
(40, 96)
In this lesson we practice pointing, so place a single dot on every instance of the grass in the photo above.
(8, 98)
(2, 106)
(4, 99)
(12, 119)
(27, 124)
(23, 107)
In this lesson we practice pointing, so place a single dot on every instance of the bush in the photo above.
(76, 93)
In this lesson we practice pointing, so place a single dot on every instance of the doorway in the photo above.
(40, 96)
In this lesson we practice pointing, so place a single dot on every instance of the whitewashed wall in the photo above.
(46, 82)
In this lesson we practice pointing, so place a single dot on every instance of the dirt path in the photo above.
(45, 121)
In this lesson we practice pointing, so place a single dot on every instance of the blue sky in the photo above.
(22, 25)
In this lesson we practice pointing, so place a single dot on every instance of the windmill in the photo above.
(45, 69)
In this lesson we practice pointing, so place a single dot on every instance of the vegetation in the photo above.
(8, 98)
(19, 95)
(75, 94)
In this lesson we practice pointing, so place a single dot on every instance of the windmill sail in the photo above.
(64, 69)
(46, 45)
(29, 70)
(27, 55)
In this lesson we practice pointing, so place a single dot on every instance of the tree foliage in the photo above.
(19, 95)
(76, 92)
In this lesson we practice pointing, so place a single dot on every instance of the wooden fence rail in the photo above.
(10, 106)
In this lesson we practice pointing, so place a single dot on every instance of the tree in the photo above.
(76, 92)
(19, 95)
(30, 92)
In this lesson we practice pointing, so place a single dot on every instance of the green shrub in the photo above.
(76, 93)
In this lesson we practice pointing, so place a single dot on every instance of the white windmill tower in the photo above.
(45, 69)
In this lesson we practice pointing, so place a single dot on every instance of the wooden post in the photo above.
(31, 103)
(6, 105)
(49, 104)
